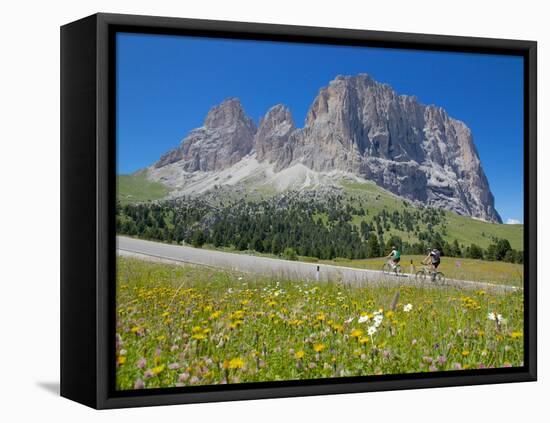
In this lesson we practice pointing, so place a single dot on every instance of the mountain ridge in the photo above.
(355, 125)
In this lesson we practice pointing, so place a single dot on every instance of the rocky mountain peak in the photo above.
(228, 112)
(358, 125)
(226, 137)
(354, 125)
(272, 136)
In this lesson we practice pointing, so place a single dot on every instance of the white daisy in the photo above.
(491, 316)
(501, 320)
(363, 319)
(407, 308)
(371, 330)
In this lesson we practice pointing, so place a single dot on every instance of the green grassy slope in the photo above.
(137, 188)
(467, 230)
(464, 229)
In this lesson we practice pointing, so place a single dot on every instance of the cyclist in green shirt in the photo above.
(394, 256)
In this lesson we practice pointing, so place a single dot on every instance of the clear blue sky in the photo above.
(167, 84)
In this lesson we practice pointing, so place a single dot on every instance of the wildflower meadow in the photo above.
(192, 325)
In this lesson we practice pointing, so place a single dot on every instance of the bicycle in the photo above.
(388, 269)
(436, 277)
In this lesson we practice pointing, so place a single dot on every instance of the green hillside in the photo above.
(137, 188)
(467, 230)
(464, 229)
(361, 221)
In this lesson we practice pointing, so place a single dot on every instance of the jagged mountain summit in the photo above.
(226, 137)
(356, 127)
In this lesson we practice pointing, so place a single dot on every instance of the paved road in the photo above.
(292, 270)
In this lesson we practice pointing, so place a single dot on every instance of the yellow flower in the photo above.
(465, 353)
(161, 338)
(356, 333)
(198, 336)
(389, 314)
(318, 347)
(363, 340)
(165, 314)
(321, 317)
(238, 315)
(158, 369)
(196, 329)
(135, 329)
(516, 334)
(299, 354)
(215, 315)
(337, 327)
(121, 359)
(235, 363)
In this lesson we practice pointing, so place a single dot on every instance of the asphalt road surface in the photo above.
(277, 268)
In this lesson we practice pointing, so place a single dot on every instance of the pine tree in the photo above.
(373, 247)
(198, 239)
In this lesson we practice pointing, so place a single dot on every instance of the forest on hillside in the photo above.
(290, 225)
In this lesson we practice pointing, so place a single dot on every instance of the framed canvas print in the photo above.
(255, 211)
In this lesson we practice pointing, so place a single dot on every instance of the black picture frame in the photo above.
(88, 196)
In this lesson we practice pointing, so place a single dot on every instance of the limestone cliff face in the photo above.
(354, 125)
(271, 141)
(226, 137)
(358, 125)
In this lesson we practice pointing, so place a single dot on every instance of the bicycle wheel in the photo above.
(386, 268)
(421, 276)
(440, 278)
